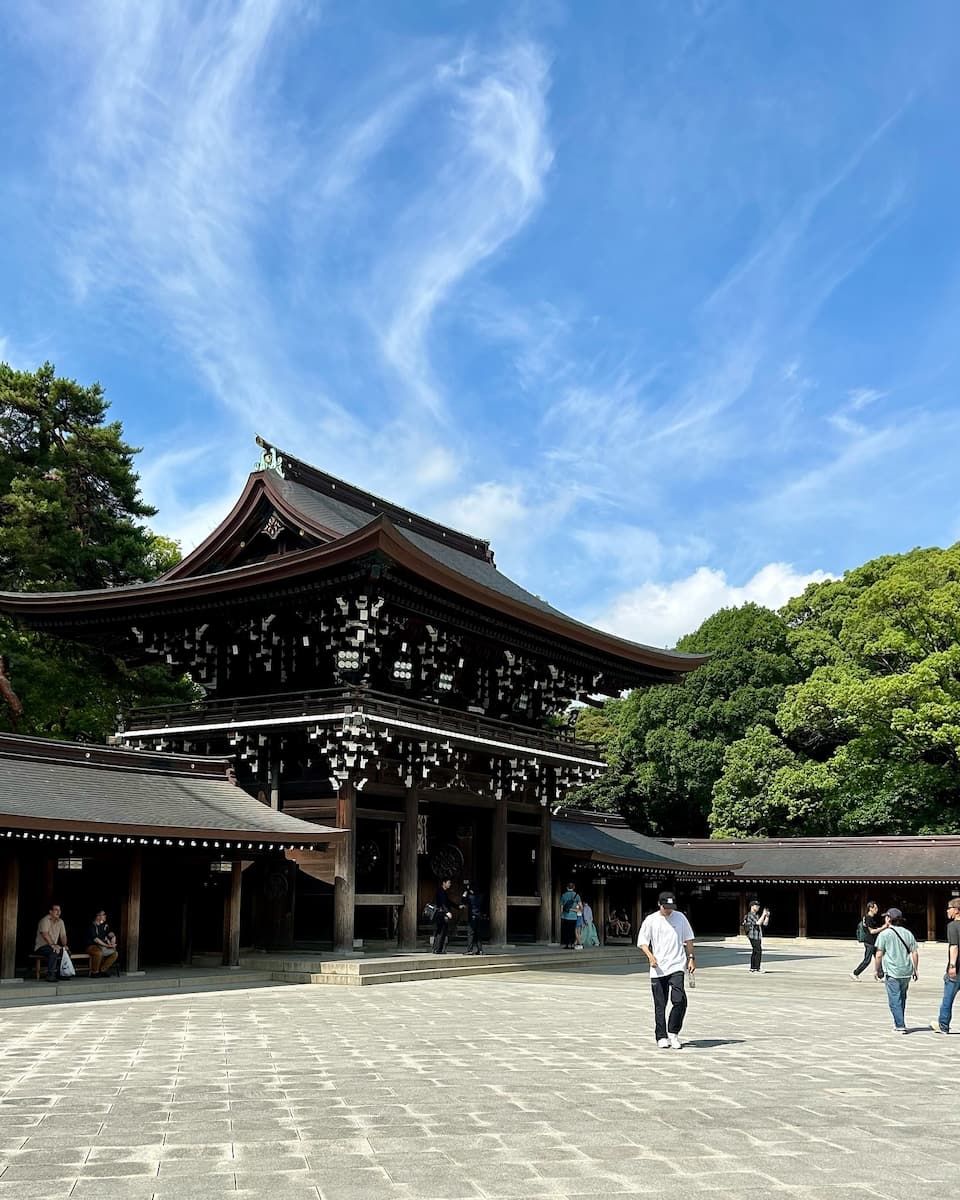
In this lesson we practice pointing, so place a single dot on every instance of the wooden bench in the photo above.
(78, 960)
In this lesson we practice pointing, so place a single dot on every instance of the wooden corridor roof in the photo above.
(109, 794)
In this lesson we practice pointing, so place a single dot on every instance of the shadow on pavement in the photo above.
(711, 1043)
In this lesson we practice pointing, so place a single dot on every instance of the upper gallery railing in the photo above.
(242, 710)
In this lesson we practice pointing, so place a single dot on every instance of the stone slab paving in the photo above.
(791, 1085)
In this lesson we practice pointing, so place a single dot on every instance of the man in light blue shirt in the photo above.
(897, 959)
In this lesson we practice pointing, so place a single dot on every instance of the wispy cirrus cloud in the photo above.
(494, 160)
(182, 161)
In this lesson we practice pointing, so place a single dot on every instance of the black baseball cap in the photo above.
(667, 899)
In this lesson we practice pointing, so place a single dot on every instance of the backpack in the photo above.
(861, 933)
(429, 911)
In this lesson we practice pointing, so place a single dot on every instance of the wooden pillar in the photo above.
(802, 913)
(636, 914)
(8, 930)
(345, 879)
(132, 921)
(231, 917)
(555, 907)
(600, 916)
(498, 875)
(931, 916)
(545, 876)
(275, 781)
(409, 914)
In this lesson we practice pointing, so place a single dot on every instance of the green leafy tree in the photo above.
(71, 519)
(70, 509)
(671, 739)
(873, 731)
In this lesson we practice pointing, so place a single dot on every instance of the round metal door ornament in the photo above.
(446, 862)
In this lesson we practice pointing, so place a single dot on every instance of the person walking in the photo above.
(666, 938)
(870, 925)
(569, 903)
(951, 983)
(897, 960)
(442, 917)
(754, 924)
(472, 901)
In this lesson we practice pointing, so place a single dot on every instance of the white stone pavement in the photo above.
(791, 1085)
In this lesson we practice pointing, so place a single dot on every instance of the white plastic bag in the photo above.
(67, 969)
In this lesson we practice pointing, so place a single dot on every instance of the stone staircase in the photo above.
(364, 971)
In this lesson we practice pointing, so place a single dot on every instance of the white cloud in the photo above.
(485, 187)
(660, 613)
(492, 511)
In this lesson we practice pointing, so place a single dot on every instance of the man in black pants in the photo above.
(872, 924)
(666, 939)
(472, 901)
(442, 917)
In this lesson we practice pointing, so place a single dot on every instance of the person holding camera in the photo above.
(754, 924)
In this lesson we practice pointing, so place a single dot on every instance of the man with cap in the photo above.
(666, 938)
(897, 960)
(951, 983)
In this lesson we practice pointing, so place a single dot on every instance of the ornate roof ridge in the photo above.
(294, 469)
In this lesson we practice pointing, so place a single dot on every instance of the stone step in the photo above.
(411, 968)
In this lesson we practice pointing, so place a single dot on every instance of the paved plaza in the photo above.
(548, 1084)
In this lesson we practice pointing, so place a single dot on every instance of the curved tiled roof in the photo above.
(65, 787)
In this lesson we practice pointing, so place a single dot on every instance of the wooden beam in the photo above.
(370, 899)
(523, 902)
(545, 876)
(231, 917)
(345, 879)
(408, 872)
(931, 915)
(498, 876)
(379, 814)
(528, 830)
(132, 922)
(8, 930)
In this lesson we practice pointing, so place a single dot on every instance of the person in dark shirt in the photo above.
(442, 917)
(754, 924)
(472, 901)
(951, 981)
(873, 924)
(101, 945)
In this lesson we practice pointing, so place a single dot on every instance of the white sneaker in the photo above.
(663, 1044)
(855, 977)
(673, 1040)
(578, 947)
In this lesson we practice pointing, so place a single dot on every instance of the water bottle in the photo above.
(691, 979)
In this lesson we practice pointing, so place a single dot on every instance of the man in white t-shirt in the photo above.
(666, 938)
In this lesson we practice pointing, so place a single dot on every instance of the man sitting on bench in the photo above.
(51, 941)
(102, 946)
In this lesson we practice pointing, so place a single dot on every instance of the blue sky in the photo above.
(661, 298)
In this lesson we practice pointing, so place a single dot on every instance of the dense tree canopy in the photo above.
(669, 744)
(70, 509)
(70, 519)
(839, 715)
(869, 741)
